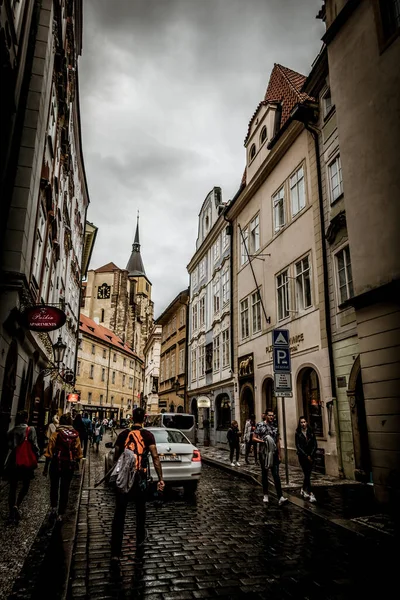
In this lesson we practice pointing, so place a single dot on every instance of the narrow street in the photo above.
(223, 543)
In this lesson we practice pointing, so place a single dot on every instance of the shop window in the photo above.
(223, 406)
(312, 405)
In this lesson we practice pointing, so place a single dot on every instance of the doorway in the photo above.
(7, 396)
(311, 400)
(246, 404)
(269, 398)
(362, 458)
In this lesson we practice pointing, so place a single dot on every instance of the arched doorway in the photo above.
(311, 400)
(362, 458)
(194, 410)
(269, 398)
(7, 396)
(223, 409)
(246, 403)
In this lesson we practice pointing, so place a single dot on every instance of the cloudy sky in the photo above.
(167, 90)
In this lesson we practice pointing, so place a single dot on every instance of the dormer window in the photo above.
(263, 135)
(252, 152)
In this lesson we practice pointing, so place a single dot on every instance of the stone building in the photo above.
(278, 269)
(44, 202)
(210, 376)
(120, 299)
(109, 374)
(363, 49)
(152, 352)
(173, 361)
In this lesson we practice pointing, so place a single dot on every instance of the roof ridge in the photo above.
(282, 69)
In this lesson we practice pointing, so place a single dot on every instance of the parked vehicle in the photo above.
(185, 422)
(180, 459)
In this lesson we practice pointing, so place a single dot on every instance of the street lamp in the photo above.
(177, 387)
(59, 349)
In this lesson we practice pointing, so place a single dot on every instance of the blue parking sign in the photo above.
(282, 360)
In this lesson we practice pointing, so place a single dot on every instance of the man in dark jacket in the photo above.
(306, 446)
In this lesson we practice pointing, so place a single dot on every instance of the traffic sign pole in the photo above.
(285, 441)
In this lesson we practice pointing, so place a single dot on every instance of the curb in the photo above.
(357, 528)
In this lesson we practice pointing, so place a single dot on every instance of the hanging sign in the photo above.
(73, 398)
(42, 318)
(203, 402)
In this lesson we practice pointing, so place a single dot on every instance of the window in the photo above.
(131, 365)
(224, 416)
(101, 398)
(195, 316)
(167, 371)
(39, 245)
(46, 274)
(202, 269)
(112, 399)
(182, 317)
(78, 368)
(174, 324)
(256, 312)
(194, 364)
(89, 397)
(104, 353)
(335, 178)
(282, 282)
(255, 234)
(103, 374)
(216, 296)
(244, 240)
(182, 360)
(327, 102)
(194, 278)
(279, 208)
(91, 371)
(130, 383)
(102, 316)
(303, 284)
(225, 239)
(225, 287)
(252, 152)
(202, 311)
(173, 368)
(225, 348)
(389, 16)
(297, 195)
(344, 274)
(216, 251)
(123, 380)
(115, 357)
(244, 318)
(93, 349)
(216, 353)
(124, 362)
(201, 360)
(209, 357)
(113, 377)
(263, 135)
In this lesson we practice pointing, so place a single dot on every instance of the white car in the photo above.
(180, 460)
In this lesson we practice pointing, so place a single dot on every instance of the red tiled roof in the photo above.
(90, 327)
(108, 268)
(284, 87)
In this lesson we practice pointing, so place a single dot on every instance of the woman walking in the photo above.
(98, 431)
(249, 429)
(233, 437)
(306, 445)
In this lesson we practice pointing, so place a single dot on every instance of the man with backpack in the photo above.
(21, 461)
(133, 447)
(64, 450)
(87, 423)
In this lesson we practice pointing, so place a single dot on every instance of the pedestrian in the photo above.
(249, 429)
(79, 426)
(21, 462)
(306, 446)
(98, 431)
(64, 451)
(267, 435)
(52, 427)
(89, 432)
(142, 442)
(233, 437)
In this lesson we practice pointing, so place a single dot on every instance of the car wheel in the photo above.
(190, 487)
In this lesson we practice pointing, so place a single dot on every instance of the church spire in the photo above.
(135, 265)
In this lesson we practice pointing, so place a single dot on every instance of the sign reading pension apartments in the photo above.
(42, 318)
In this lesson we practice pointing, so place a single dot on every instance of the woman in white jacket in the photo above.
(248, 438)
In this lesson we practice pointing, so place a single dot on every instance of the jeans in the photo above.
(275, 475)
(84, 443)
(233, 447)
(249, 444)
(121, 504)
(25, 476)
(60, 481)
(307, 466)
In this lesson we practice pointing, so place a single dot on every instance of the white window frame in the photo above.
(284, 295)
(244, 318)
(194, 278)
(254, 237)
(225, 239)
(173, 363)
(300, 279)
(194, 363)
(225, 347)
(278, 205)
(202, 311)
(181, 360)
(216, 250)
(348, 281)
(225, 287)
(202, 269)
(216, 296)
(335, 171)
(256, 317)
(244, 246)
(39, 246)
(182, 317)
(195, 313)
(296, 184)
(201, 360)
(167, 367)
(326, 106)
(216, 353)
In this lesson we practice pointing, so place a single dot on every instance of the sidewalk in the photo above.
(344, 502)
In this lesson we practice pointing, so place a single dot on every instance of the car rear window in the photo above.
(163, 436)
(178, 421)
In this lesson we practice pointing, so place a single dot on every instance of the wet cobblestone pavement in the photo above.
(225, 543)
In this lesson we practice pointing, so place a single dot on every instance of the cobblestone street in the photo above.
(223, 544)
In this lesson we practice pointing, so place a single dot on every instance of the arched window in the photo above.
(312, 405)
(252, 151)
(102, 316)
(263, 135)
(223, 406)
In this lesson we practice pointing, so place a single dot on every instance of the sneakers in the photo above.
(232, 464)
(312, 498)
(265, 499)
(237, 464)
(282, 500)
(304, 494)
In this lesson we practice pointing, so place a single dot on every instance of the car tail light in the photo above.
(196, 456)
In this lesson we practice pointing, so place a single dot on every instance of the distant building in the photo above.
(172, 382)
(210, 374)
(152, 352)
(109, 374)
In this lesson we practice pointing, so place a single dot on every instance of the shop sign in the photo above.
(73, 398)
(203, 402)
(42, 318)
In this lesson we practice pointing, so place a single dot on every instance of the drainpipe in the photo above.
(232, 365)
(108, 374)
(302, 114)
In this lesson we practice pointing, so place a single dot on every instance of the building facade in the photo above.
(363, 48)
(152, 352)
(109, 375)
(278, 269)
(210, 375)
(173, 358)
(44, 204)
(120, 299)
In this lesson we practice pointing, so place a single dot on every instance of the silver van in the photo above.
(185, 422)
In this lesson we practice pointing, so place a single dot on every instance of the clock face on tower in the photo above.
(103, 292)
